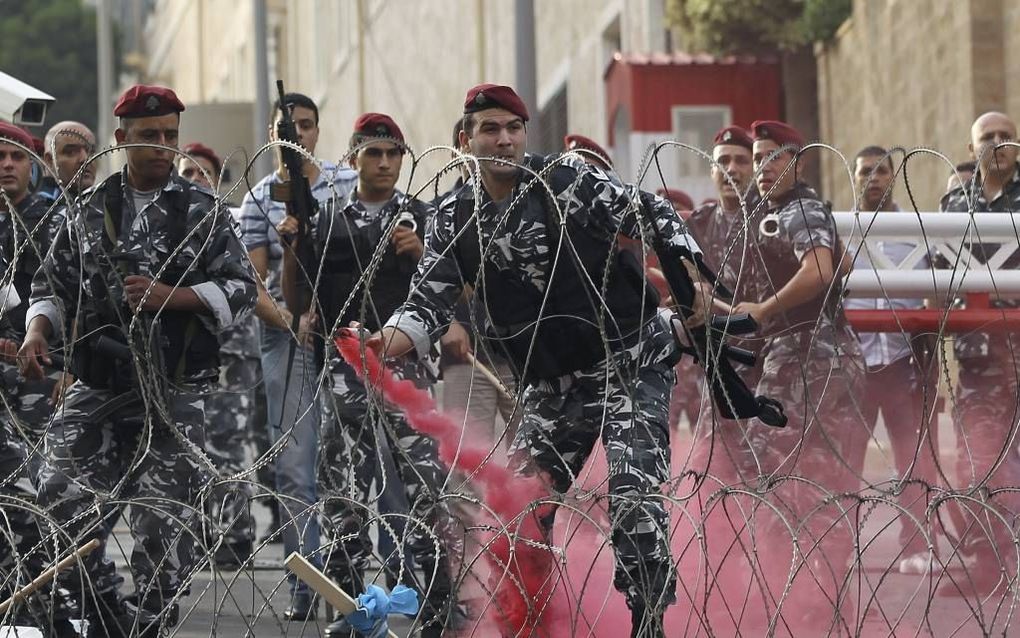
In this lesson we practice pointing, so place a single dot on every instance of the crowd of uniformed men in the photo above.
(163, 351)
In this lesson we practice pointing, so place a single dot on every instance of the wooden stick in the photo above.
(338, 598)
(48, 575)
(491, 377)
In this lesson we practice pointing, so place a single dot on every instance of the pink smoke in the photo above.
(520, 566)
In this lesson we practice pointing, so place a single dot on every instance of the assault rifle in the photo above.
(296, 194)
(706, 343)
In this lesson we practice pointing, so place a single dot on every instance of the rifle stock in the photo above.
(706, 343)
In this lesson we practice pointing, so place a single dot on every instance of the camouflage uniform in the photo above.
(351, 453)
(720, 446)
(814, 367)
(26, 401)
(985, 396)
(140, 436)
(231, 425)
(564, 416)
(25, 404)
(19, 532)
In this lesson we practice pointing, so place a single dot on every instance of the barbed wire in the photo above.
(751, 532)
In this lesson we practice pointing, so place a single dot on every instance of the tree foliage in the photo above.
(51, 45)
(755, 26)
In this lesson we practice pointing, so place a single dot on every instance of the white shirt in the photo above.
(884, 348)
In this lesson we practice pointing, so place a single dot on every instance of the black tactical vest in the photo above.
(184, 343)
(597, 297)
(346, 251)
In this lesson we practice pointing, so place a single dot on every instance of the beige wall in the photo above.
(915, 74)
(411, 59)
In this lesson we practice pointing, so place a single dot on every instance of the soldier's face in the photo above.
(989, 131)
(735, 162)
(15, 171)
(500, 134)
(146, 162)
(191, 170)
(873, 177)
(775, 171)
(307, 127)
(71, 148)
(378, 167)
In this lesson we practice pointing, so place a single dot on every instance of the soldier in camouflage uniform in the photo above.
(230, 410)
(985, 396)
(720, 227)
(813, 366)
(146, 272)
(24, 415)
(346, 236)
(24, 236)
(574, 388)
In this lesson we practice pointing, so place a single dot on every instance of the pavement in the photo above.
(883, 601)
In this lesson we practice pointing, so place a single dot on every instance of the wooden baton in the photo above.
(49, 575)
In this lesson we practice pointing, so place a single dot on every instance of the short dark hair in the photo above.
(297, 99)
(875, 151)
(458, 126)
(467, 123)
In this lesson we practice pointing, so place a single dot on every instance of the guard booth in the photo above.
(658, 97)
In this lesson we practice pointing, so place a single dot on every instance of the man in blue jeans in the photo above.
(292, 403)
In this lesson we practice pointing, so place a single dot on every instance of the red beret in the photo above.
(491, 96)
(378, 125)
(574, 142)
(38, 146)
(680, 199)
(201, 150)
(779, 132)
(16, 134)
(734, 135)
(143, 100)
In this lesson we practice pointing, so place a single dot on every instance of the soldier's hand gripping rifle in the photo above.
(296, 194)
(706, 344)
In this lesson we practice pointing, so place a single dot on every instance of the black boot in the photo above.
(646, 623)
(338, 628)
(351, 582)
(111, 616)
(303, 606)
(154, 612)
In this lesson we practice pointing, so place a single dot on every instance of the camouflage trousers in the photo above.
(228, 435)
(24, 554)
(625, 400)
(350, 461)
(19, 531)
(804, 465)
(102, 451)
(27, 407)
(985, 418)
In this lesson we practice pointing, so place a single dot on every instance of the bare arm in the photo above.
(266, 307)
(812, 279)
